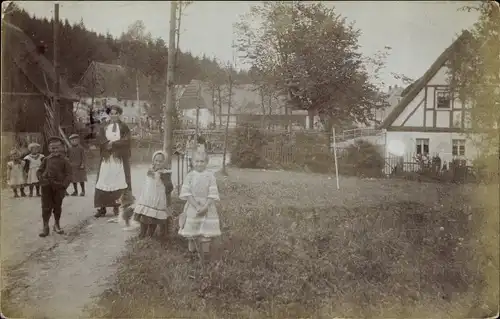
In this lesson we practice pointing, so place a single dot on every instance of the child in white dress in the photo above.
(33, 161)
(199, 222)
(15, 173)
(152, 208)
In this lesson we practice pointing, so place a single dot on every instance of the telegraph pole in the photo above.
(55, 27)
(170, 103)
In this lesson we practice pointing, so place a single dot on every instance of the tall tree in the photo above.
(475, 75)
(314, 55)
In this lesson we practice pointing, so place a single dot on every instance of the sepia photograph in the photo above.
(250, 159)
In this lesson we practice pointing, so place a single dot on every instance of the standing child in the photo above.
(152, 208)
(76, 154)
(199, 221)
(54, 175)
(15, 173)
(33, 161)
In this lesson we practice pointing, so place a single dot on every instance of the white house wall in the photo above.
(406, 118)
(441, 77)
(440, 143)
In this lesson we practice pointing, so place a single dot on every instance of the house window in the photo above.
(422, 146)
(132, 104)
(125, 119)
(125, 103)
(458, 148)
(132, 119)
(443, 100)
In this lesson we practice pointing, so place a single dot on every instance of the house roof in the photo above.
(192, 97)
(246, 99)
(414, 88)
(37, 68)
(113, 80)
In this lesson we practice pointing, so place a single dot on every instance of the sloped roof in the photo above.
(37, 68)
(113, 80)
(246, 99)
(416, 87)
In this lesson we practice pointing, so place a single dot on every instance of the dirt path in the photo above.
(57, 277)
(60, 282)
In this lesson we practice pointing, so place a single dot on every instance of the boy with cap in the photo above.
(54, 175)
(76, 155)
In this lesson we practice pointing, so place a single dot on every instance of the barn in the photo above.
(27, 92)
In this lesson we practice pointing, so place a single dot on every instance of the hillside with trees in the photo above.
(137, 49)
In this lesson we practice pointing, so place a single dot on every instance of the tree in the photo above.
(230, 83)
(475, 75)
(265, 84)
(311, 52)
(91, 86)
(134, 55)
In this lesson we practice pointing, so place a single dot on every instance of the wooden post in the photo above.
(170, 103)
(198, 96)
(55, 27)
(139, 123)
(335, 156)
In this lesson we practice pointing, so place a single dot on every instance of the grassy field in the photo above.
(295, 246)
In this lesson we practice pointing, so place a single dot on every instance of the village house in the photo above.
(430, 120)
(247, 107)
(27, 92)
(105, 84)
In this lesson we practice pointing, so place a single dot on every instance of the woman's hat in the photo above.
(114, 107)
(33, 145)
(73, 136)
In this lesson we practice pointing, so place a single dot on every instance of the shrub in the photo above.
(247, 148)
(363, 158)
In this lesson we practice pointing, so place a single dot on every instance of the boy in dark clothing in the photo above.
(54, 175)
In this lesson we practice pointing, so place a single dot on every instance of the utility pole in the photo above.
(198, 101)
(170, 103)
(55, 27)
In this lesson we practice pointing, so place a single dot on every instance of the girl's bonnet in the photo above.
(31, 146)
(163, 168)
(15, 153)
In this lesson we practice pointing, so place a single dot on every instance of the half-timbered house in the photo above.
(430, 120)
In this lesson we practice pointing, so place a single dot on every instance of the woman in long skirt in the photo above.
(114, 170)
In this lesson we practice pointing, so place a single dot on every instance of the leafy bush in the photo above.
(363, 159)
(247, 148)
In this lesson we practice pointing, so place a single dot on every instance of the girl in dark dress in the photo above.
(76, 155)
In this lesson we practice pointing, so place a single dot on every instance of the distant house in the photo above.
(430, 119)
(109, 84)
(246, 107)
(27, 90)
(394, 96)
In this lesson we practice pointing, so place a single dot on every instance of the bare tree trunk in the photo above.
(220, 105)
(311, 114)
(263, 118)
(226, 133)
(213, 106)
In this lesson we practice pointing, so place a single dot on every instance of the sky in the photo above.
(417, 31)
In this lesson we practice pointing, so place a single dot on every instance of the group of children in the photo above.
(50, 176)
(22, 170)
(199, 221)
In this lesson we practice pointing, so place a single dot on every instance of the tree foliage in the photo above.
(307, 51)
(475, 74)
(80, 46)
